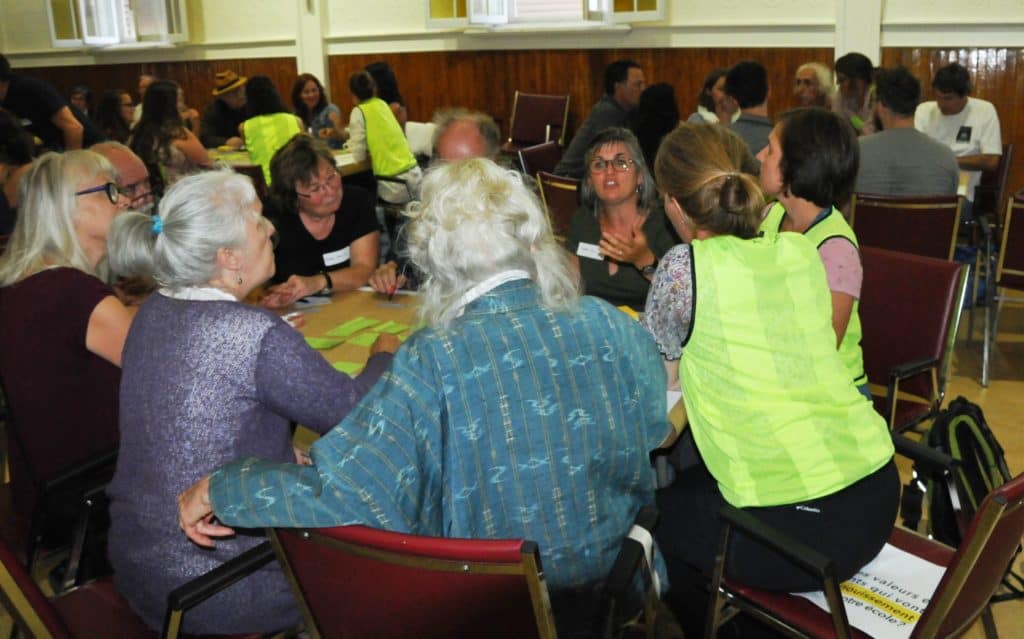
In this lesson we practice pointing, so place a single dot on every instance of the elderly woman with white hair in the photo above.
(520, 411)
(61, 326)
(209, 379)
(813, 85)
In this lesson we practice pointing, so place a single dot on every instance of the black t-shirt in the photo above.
(220, 122)
(299, 253)
(36, 100)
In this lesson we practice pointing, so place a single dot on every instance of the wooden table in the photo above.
(352, 304)
(345, 161)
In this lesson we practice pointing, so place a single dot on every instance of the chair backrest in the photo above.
(919, 225)
(421, 138)
(539, 157)
(538, 117)
(255, 173)
(560, 196)
(979, 564)
(909, 311)
(355, 581)
(991, 192)
(25, 601)
(1010, 272)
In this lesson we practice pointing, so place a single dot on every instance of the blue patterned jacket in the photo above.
(513, 422)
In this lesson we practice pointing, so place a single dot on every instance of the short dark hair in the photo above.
(856, 65)
(5, 68)
(262, 97)
(617, 72)
(898, 90)
(361, 85)
(820, 155)
(387, 83)
(747, 83)
(297, 161)
(952, 78)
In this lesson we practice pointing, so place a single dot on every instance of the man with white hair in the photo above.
(132, 176)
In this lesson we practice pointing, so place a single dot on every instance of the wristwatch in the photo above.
(648, 271)
(329, 287)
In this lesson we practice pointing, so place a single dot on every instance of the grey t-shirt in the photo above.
(905, 162)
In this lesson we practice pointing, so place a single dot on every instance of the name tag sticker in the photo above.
(336, 257)
(589, 251)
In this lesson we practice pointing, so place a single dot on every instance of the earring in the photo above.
(239, 280)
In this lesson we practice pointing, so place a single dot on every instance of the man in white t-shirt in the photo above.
(967, 125)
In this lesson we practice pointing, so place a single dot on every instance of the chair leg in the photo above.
(986, 345)
(988, 623)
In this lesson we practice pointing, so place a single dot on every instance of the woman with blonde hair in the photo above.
(62, 328)
(744, 322)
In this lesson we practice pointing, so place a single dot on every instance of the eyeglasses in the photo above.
(136, 190)
(330, 183)
(806, 82)
(110, 188)
(600, 165)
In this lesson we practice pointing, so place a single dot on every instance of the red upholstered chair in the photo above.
(536, 118)
(972, 574)
(1009, 275)
(560, 196)
(356, 581)
(96, 610)
(919, 225)
(909, 314)
(539, 157)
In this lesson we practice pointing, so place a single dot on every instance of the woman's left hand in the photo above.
(629, 249)
(195, 515)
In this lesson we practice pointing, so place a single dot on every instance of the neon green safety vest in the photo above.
(773, 411)
(832, 225)
(389, 150)
(265, 134)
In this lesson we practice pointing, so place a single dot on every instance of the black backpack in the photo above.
(961, 432)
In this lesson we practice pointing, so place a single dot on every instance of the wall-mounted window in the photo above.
(111, 23)
(464, 13)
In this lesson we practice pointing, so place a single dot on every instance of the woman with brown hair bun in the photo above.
(781, 430)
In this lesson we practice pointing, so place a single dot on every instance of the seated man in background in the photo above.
(467, 435)
(969, 126)
(747, 83)
(813, 85)
(219, 124)
(460, 134)
(900, 160)
(60, 126)
(623, 84)
(132, 176)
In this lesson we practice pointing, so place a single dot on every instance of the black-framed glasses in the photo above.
(110, 188)
(599, 165)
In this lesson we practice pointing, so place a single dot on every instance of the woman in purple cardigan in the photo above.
(206, 380)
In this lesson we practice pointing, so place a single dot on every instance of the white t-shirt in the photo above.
(973, 131)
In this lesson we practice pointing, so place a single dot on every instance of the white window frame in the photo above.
(114, 24)
(499, 13)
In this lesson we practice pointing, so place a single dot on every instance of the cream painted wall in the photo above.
(952, 11)
(23, 26)
(219, 21)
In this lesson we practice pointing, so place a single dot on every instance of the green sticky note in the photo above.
(349, 368)
(392, 327)
(363, 339)
(323, 343)
(352, 327)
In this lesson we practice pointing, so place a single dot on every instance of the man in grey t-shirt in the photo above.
(900, 160)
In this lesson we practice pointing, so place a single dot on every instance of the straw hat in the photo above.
(228, 81)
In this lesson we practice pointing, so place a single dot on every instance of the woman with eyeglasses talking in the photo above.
(618, 234)
(329, 238)
(61, 327)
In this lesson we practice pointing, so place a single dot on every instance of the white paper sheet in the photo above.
(887, 597)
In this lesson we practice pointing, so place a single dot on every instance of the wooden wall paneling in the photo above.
(487, 80)
(995, 76)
